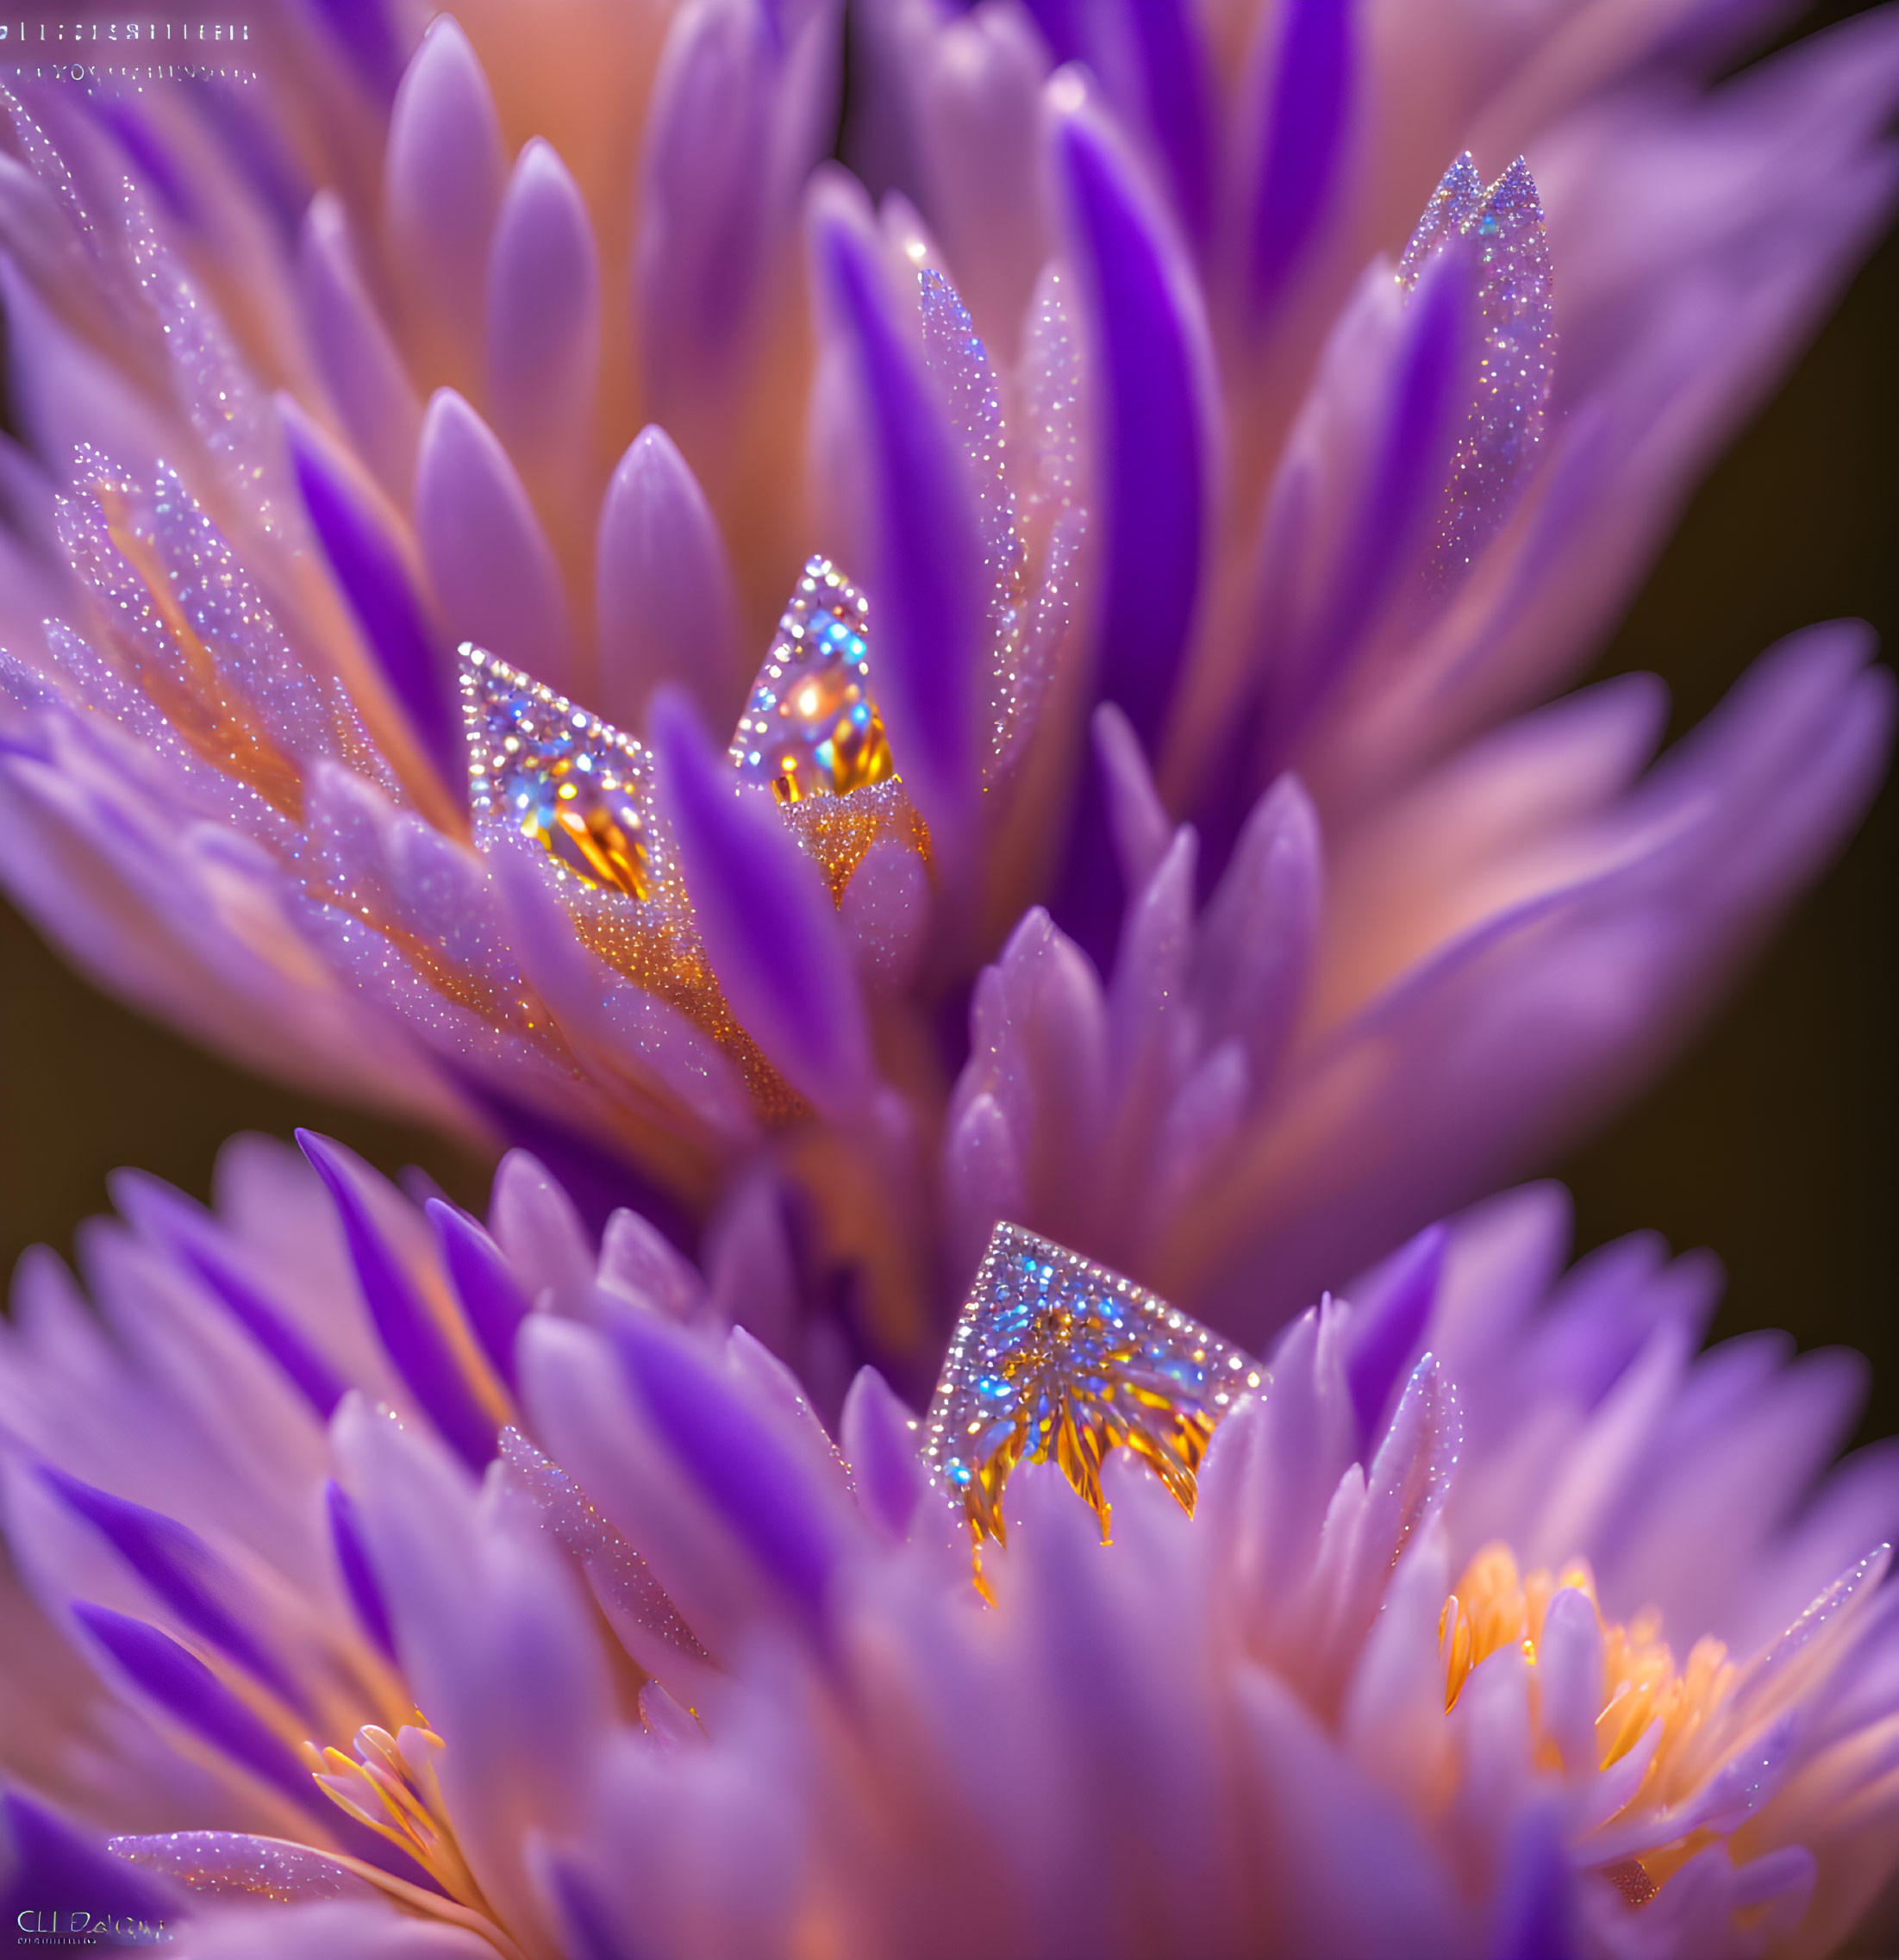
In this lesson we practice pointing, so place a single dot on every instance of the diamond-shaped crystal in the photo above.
(572, 783)
(811, 728)
(1056, 1358)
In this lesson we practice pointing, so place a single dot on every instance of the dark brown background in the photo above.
(1771, 1140)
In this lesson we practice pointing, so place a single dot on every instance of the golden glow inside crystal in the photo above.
(812, 728)
(572, 783)
(1058, 1359)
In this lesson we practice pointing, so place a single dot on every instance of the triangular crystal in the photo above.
(573, 784)
(1057, 1358)
(811, 728)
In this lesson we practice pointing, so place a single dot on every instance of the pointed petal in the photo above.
(770, 931)
(926, 578)
(666, 606)
(544, 317)
(488, 559)
(1154, 447)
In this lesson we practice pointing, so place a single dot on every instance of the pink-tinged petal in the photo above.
(1135, 813)
(977, 84)
(543, 294)
(637, 1262)
(1569, 1664)
(701, 230)
(770, 928)
(359, 362)
(1257, 937)
(879, 1436)
(497, 1642)
(1350, 1872)
(442, 180)
(925, 571)
(537, 1228)
(1392, 1720)
(490, 564)
(336, 1929)
(666, 608)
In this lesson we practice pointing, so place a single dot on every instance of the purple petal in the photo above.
(181, 1570)
(702, 223)
(443, 173)
(926, 576)
(770, 928)
(354, 352)
(543, 311)
(365, 34)
(409, 1331)
(637, 1262)
(1136, 815)
(1536, 1906)
(50, 1859)
(754, 1480)
(665, 600)
(153, 159)
(489, 560)
(1151, 426)
(369, 567)
(1257, 935)
(1388, 1325)
(878, 1435)
(173, 1223)
(538, 1228)
(1311, 106)
(492, 1303)
(365, 1595)
(1174, 65)
(1427, 403)
(180, 1683)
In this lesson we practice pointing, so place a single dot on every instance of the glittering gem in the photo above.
(1055, 1358)
(811, 728)
(568, 780)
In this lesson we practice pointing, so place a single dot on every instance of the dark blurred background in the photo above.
(1771, 1140)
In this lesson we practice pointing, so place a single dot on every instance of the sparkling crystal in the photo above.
(1057, 1358)
(1516, 357)
(572, 783)
(811, 728)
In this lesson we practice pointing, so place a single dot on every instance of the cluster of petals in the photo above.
(1212, 539)
(391, 1586)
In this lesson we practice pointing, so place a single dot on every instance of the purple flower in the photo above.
(1482, 1616)
(1147, 829)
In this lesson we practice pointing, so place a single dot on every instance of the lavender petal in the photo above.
(369, 567)
(769, 929)
(175, 1679)
(926, 575)
(752, 1480)
(1154, 448)
(544, 313)
(409, 1331)
(181, 1570)
(358, 359)
(665, 605)
(492, 1301)
(488, 559)
(352, 1562)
